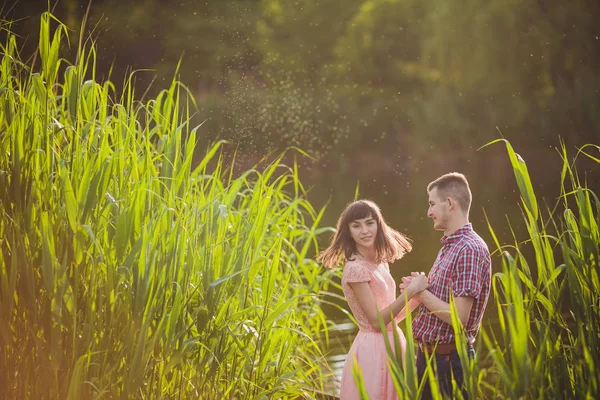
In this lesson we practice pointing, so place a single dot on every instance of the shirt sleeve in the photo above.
(467, 277)
(354, 272)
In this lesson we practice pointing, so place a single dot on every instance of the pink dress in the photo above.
(369, 345)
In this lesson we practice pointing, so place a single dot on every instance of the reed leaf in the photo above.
(135, 264)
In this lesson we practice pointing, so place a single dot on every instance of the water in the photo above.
(341, 337)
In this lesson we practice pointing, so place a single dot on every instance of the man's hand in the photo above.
(407, 280)
(415, 300)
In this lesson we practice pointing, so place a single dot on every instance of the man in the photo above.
(462, 269)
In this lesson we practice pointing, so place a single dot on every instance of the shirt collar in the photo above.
(457, 235)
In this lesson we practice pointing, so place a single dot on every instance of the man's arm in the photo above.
(441, 309)
(466, 285)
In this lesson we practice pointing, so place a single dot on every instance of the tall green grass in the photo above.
(546, 296)
(546, 301)
(130, 269)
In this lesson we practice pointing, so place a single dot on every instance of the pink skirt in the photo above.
(371, 355)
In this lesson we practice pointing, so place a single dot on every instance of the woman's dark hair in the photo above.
(390, 245)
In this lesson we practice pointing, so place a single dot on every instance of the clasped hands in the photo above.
(414, 284)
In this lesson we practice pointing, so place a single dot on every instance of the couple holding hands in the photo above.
(462, 269)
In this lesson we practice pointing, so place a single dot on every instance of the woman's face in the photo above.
(364, 232)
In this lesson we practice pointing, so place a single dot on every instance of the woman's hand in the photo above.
(405, 281)
(414, 284)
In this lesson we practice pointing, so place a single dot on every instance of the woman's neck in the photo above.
(366, 254)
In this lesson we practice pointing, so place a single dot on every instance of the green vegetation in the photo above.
(130, 269)
(136, 263)
(546, 296)
(392, 76)
(545, 299)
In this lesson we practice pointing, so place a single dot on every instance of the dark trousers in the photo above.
(448, 366)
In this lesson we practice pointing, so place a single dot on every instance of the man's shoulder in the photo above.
(474, 242)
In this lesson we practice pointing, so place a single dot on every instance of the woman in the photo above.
(367, 245)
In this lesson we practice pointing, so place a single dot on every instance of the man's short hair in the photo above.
(453, 185)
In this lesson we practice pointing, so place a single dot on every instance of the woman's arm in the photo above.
(367, 302)
(415, 301)
(412, 304)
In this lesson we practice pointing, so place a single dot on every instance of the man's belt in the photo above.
(437, 348)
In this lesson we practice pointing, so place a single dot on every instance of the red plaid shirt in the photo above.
(463, 267)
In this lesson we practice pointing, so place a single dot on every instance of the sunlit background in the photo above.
(384, 95)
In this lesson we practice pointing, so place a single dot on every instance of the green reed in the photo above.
(129, 267)
(546, 296)
(545, 302)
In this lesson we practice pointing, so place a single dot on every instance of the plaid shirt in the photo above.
(463, 267)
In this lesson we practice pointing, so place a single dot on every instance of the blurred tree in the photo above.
(388, 76)
(533, 66)
(298, 39)
(381, 45)
(129, 37)
(215, 39)
(378, 53)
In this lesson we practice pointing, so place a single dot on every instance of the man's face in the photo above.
(438, 210)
